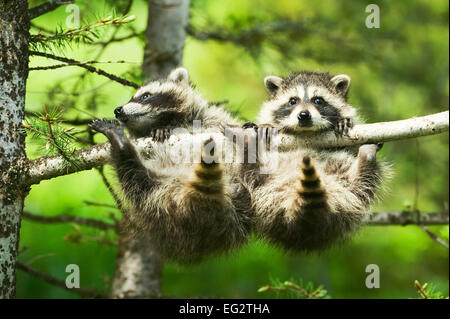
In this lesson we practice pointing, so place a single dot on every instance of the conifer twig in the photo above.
(85, 34)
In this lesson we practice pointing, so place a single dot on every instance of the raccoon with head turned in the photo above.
(312, 198)
(188, 210)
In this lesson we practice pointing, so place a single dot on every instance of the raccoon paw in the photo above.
(266, 131)
(368, 152)
(250, 125)
(343, 126)
(379, 146)
(106, 126)
(160, 134)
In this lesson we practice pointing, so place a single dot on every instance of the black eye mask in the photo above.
(283, 111)
(159, 100)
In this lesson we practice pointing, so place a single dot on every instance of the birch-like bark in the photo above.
(403, 218)
(48, 167)
(14, 35)
(138, 266)
(382, 132)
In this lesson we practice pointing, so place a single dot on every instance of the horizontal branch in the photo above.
(379, 132)
(48, 167)
(248, 36)
(63, 218)
(46, 7)
(87, 67)
(404, 218)
(83, 292)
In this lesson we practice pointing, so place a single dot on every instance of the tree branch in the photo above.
(63, 218)
(48, 167)
(58, 66)
(87, 67)
(380, 132)
(404, 218)
(249, 36)
(111, 189)
(46, 7)
(91, 293)
(433, 236)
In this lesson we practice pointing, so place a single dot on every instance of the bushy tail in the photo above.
(310, 189)
(208, 174)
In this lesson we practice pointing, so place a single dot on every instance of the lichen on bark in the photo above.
(14, 35)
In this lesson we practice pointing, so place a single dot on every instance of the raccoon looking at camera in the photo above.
(187, 210)
(312, 197)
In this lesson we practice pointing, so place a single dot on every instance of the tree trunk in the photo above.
(166, 35)
(14, 35)
(138, 266)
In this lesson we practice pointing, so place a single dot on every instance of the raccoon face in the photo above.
(158, 103)
(306, 101)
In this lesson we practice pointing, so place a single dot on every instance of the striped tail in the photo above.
(208, 174)
(310, 190)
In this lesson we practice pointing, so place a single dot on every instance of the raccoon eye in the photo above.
(318, 100)
(145, 97)
(293, 101)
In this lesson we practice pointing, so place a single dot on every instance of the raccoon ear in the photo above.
(272, 83)
(341, 83)
(179, 75)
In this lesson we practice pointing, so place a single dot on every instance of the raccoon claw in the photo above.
(113, 131)
(266, 131)
(249, 125)
(343, 126)
(105, 126)
(160, 134)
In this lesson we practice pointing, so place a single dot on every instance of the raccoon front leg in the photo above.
(134, 177)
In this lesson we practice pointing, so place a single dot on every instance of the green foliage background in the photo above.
(398, 71)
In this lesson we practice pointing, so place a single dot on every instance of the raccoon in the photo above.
(188, 211)
(173, 103)
(312, 198)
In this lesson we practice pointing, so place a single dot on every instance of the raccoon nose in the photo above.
(304, 116)
(118, 111)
